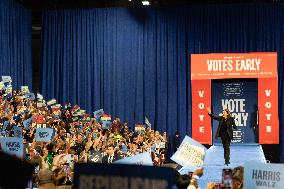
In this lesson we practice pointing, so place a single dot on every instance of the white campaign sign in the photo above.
(190, 154)
(263, 176)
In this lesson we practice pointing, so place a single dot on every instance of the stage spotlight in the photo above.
(145, 3)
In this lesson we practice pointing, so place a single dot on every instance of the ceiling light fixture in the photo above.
(145, 3)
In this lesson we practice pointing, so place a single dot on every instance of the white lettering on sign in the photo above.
(248, 64)
(268, 92)
(234, 105)
(268, 116)
(240, 118)
(219, 65)
(201, 105)
(201, 94)
(268, 104)
(237, 107)
(268, 129)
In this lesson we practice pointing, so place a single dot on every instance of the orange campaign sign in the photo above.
(233, 65)
(268, 125)
(261, 65)
(201, 122)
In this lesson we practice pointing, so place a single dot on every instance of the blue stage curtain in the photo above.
(15, 43)
(136, 62)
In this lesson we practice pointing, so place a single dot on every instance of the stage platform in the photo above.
(240, 153)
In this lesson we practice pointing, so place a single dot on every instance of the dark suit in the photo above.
(108, 159)
(225, 131)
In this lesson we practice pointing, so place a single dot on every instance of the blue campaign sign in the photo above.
(190, 154)
(106, 124)
(5, 124)
(27, 123)
(153, 148)
(51, 102)
(263, 176)
(18, 132)
(124, 148)
(98, 113)
(12, 146)
(95, 156)
(75, 118)
(39, 96)
(139, 159)
(30, 96)
(6, 79)
(95, 135)
(240, 96)
(147, 122)
(57, 116)
(109, 176)
(4, 128)
(25, 89)
(9, 90)
(44, 134)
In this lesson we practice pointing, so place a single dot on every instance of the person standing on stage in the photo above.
(225, 131)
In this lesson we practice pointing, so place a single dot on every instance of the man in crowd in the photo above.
(111, 155)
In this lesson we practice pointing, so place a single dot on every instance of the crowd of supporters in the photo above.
(80, 137)
(77, 137)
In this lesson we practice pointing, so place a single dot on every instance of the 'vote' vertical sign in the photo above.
(268, 111)
(201, 122)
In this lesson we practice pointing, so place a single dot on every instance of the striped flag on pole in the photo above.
(147, 122)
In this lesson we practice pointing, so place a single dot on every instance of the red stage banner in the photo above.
(234, 65)
(268, 111)
(201, 122)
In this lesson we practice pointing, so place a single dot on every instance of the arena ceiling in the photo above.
(36, 6)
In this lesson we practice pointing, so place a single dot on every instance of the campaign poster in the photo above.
(12, 145)
(190, 154)
(240, 96)
(263, 175)
(44, 134)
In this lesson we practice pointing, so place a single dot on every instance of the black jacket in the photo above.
(230, 124)
(115, 157)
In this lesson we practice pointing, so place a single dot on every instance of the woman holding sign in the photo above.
(225, 131)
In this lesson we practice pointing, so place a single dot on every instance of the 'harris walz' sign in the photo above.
(44, 134)
(116, 176)
(12, 146)
(263, 176)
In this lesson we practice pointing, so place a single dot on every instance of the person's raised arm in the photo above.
(211, 115)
